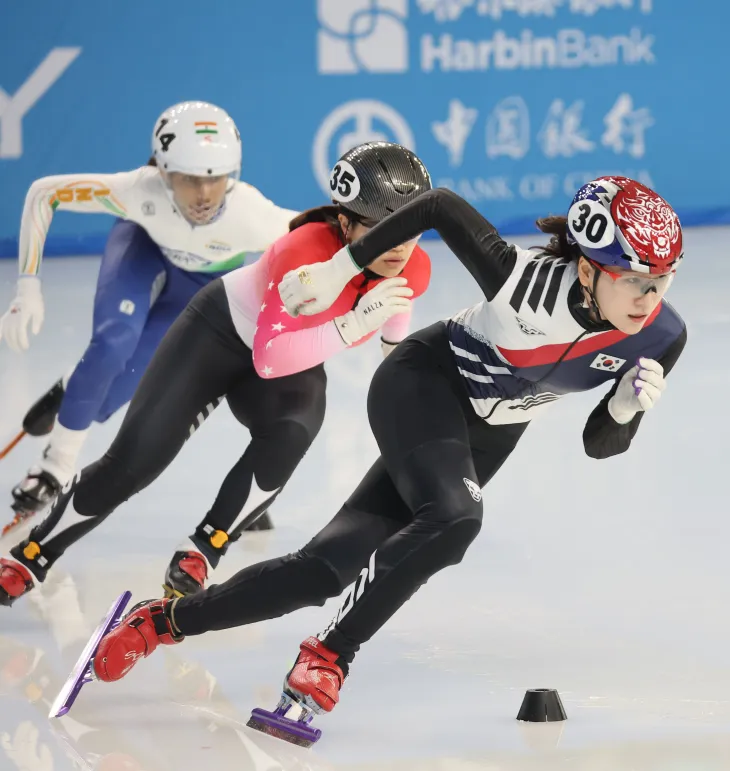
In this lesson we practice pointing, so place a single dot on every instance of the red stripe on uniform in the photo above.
(549, 354)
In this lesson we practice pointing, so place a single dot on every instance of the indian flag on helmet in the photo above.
(206, 127)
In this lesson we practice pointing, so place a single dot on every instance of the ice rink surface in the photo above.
(608, 580)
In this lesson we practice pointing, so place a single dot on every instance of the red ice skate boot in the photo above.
(146, 626)
(186, 574)
(15, 581)
(316, 678)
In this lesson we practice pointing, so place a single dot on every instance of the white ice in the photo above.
(608, 580)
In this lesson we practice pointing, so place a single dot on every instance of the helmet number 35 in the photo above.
(165, 139)
(344, 182)
(590, 224)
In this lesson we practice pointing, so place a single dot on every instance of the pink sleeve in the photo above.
(396, 328)
(292, 352)
(281, 344)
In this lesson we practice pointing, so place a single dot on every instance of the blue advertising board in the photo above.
(511, 103)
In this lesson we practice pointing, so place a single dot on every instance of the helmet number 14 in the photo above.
(165, 139)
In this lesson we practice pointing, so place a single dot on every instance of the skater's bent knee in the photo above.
(448, 506)
(112, 346)
(455, 539)
(320, 573)
(102, 487)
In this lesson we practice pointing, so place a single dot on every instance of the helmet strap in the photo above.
(592, 303)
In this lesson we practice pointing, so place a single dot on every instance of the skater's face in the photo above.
(198, 198)
(391, 263)
(625, 298)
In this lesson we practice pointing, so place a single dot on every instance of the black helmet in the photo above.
(374, 179)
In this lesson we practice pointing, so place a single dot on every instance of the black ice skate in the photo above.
(39, 419)
(38, 490)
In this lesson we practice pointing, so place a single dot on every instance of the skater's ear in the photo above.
(585, 272)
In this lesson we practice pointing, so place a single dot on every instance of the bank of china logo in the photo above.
(351, 124)
(362, 36)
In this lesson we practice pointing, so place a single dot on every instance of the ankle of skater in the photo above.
(211, 540)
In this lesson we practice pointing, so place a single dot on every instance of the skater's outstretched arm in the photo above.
(80, 193)
(469, 235)
(310, 289)
(84, 193)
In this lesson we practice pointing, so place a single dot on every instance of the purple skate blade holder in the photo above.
(81, 673)
(277, 724)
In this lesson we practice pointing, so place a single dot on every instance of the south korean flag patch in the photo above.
(607, 363)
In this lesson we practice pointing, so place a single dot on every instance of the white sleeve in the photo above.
(82, 193)
(272, 220)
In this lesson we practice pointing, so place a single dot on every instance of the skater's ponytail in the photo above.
(326, 214)
(152, 161)
(558, 246)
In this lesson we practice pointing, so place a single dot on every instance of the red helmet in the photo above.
(618, 221)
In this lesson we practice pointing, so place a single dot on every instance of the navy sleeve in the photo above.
(471, 237)
(603, 437)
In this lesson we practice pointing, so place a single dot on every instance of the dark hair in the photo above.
(558, 246)
(327, 213)
(152, 161)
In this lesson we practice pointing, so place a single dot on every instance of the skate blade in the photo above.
(82, 672)
(276, 724)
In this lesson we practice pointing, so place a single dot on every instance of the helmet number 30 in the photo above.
(590, 224)
(344, 182)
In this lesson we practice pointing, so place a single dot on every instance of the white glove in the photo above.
(374, 309)
(312, 289)
(639, 389)
(26, 308)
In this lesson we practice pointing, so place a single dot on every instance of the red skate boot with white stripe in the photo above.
(146, 626)
(313, 685)
(186, 574)
(15, 581)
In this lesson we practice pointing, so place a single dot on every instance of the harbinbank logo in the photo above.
(375, 36)
(362, 36)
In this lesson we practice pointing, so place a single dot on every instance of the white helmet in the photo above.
(197, 138)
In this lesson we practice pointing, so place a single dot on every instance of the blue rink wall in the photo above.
(512, 103)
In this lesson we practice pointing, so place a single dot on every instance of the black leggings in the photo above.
(200, 361)
(415, 512)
